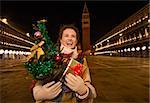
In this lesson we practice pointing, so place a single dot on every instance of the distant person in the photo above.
(76, 89)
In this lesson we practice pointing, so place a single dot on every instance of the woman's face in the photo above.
(69, 38)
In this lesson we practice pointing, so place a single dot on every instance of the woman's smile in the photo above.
(69, 38)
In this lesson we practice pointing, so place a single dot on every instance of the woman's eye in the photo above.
(65, 35)
(73, 36)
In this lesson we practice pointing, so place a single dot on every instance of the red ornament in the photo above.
(58, 58)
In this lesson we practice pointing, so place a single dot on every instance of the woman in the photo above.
(75, 88)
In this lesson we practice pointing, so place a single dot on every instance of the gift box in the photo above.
(74, 67)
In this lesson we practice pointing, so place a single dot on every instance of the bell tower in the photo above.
(85, 29)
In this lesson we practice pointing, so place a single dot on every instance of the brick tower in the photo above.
(85, 29)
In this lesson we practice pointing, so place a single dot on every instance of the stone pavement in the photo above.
(11, 65)
(116, 79)
(120, 79)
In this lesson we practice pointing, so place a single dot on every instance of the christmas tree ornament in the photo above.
(38, 34)
(57, 58)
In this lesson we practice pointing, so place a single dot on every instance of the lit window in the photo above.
(10, 52)
(144, 47)
(146, 33)
(17, 52)
(133, 49)
(149, 47)
(28, 34)
(138, 48)
(148, 20)
(1, 51)
(14, 52)
(6, 52)
(128, 49)
(125, 49)
(140, 35)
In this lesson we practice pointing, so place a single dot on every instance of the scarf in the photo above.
(67, 51)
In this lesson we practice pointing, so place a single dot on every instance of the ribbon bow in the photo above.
(35, 50)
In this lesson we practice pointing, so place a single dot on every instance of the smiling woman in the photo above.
(74, 88)
(68, 39)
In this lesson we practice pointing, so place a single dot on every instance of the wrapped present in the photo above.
(73, 67)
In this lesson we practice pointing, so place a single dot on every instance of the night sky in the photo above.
(104, 15)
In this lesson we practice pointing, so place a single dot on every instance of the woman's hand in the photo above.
(76, 84)
(47, 91)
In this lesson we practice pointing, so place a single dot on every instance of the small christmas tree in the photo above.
(45, 62)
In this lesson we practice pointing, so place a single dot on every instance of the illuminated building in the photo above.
(14, 44)
(129, 39)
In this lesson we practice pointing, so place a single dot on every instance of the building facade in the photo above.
(128, 39)
(14, 44)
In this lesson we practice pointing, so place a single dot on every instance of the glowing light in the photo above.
(18, 38)
(133, 49)
(15, 45)
(10, 52)
(140, 35)
(1, 51)
(146, 32)
(148, 20)
(144, 47)
(4, 21)
(28, 34)
(125, 49)
(28, 53)
(14, 52)
(146, 16)
(120, 34)
(143, 18)
(6, 52)
(138, 48)
(110, 37)
(128, 49)
(149, 47)
(17, 52)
